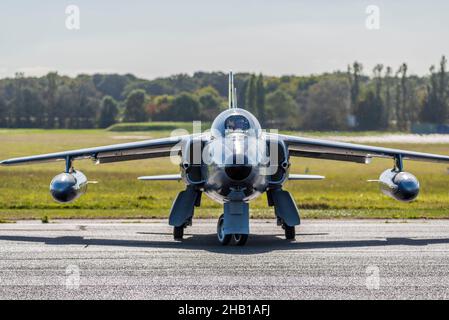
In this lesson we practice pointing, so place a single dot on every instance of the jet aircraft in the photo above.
(234, 163)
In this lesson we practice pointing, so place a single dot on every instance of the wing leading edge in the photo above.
(333, 150)
(163, 177)
(304, 177)
(113, 153)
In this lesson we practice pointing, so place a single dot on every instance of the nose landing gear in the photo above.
(222, 237)
(240, 239)
(225, 239)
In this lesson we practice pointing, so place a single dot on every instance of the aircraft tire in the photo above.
(224, 239)
(290, 232)
(240, 239)
(178, 233)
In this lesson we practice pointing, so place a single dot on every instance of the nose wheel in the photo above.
(225, 239)
(240, 239)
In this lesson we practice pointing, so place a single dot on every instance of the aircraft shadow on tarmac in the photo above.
(256, 243)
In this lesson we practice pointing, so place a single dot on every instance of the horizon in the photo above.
(191, 74)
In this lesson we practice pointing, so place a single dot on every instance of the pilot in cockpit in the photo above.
(237, 123)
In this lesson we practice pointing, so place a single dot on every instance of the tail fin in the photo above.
(232, 92)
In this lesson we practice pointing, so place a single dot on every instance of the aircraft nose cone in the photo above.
(238, 168)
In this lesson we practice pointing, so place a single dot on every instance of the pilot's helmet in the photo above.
(235, 121)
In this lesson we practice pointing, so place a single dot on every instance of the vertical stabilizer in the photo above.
(232, 92)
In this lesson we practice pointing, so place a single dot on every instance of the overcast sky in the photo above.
(160, 38)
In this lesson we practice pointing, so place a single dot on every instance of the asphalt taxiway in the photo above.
(331, 259)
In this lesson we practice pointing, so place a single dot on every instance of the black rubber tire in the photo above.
(290, 232)
(178, 233)
(223, 239)
(240, 239)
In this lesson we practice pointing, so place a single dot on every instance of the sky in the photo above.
(159, 38)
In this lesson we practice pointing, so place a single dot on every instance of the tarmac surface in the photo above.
(330, 259)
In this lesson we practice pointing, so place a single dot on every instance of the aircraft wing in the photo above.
(293, 176)
(333, 150)
(163, 177)
(113, 153)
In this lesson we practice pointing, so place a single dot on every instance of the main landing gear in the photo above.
(290, 232)
(286, 211)
(178, 232)
(225, 239)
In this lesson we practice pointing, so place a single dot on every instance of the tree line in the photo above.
(384, 98)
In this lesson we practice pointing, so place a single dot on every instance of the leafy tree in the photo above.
(134, 107)
(260, 99)
(86, 103)
(211, 104)
(401, 98)
(3, 113)
(388, 98)
(381, 118)
(111, 84)
(429, 111)
(17, 101)
(108, 112)
(328, 106)
(185, 107)
(65, 106)
(32, 107)
(354, 76)
(183, 83)
(159, 107)
(241, 93)
(436, 105)
(55, 101)
(216, 80)
(369, 112)
(282, 111)
(50, 99)
(250, 98)
(442, 90)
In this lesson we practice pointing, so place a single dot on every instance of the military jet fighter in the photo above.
(233, 163)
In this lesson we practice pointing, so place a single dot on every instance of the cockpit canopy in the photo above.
(237, 123)
(235, 120)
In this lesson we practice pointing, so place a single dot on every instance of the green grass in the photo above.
(344, 194)
(6, 221)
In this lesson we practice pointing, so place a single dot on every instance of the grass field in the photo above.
(344, 194)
